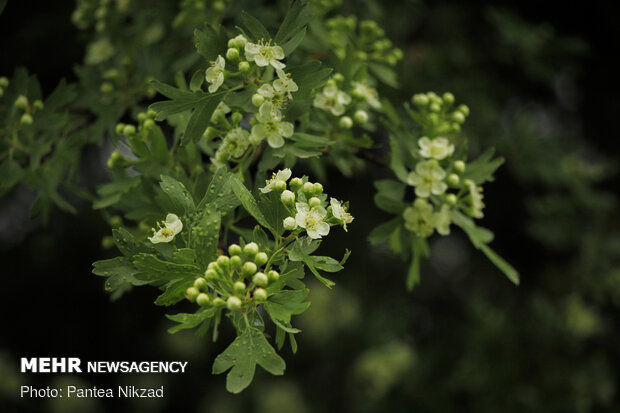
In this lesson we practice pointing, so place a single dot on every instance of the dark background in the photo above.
(466, 339)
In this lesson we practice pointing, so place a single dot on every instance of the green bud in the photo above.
(338, 78)
(260, 279)
(129, 130)
(346, 122)
(249, 268)
(295, 184)
(202, 299)
(38, 104)
(200, 283)
(448, 98)
(119, 128)
(106, 87)
(191, 293)
(236, 118)
(314, 202)
(260, 295)
(289, 223)
(239, 288)
(218, 302)
(211, 275)
(26, 119)
(244, 67)
(453, 180)
(218, 6)
(151, 113)
(210, 132)
(435, 107)
(273, 275)
(236, 261)
(148, 124)
(459, 166)
(420, 100)
(261, 259)
(110, 74)
(361, 117)
(232, 54)
(451, 199)
(107, 242)
(455, 127)
(279, 186)
(458, 117)
(141, 117)
(1, 92)
(287, 197)
(21, 102)
(308, 188)
(257, 99)
(223, 262)
(4, 82)
(464, 109)
(233, 303)
(250, 250)
(234, 249)
(361, 55)
(318, 188)
(115, 221)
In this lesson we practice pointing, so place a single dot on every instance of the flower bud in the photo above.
(202, 299)
(1, 92)
(260, 279)
(464, 109)
(420, 100)
(239, 288)
(260, 294)
(459, 166)
(453, 180)
(257, 99)
(295, 184)
(38, 104)
(448, 98)
(346, 122)
(4, 82)
(236, 118)
(200, 283)
(289, 223)
(458, 117)
(191, 293)
(223, 262)
(261, 259)
(451, 199)
(338, 78)
(279, 186)
(314, 202)
(249, 268)
(107, 242)
(232, 54)
(129, 130)
(250, 250)
(218, 302)
(318, 188)
(287, 197)
(211, 275)
(361, 116)
(210, 132)
(455, 127)
(106, 87)
(234, 249)
(21, 102)
(235, 262)
(244, 67)
(233, 303)
(273, 275)
(26, 119)
(435, 107)
(308, 188)
(119, 128)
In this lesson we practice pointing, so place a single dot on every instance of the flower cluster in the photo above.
(439, 114)
(21, 103)
(307, 205)
(237, 281)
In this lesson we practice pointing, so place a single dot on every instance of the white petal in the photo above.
(284, 174)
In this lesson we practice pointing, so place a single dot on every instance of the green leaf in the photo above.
(127, 244)
(188, 320)
(420, 250)
(119, 272)
(179, 195)
(175, 93)
(205, 236)
(290, 46)
(282, 305)
(308, 76)
(384, 73)
(210, 42)
(199, 119)
(249, 349)
(254, 28)
(295, 21)
(390, 196)
(155, 270)
(482, 169)
(249, 203)
(511, 273)
(297, 253)
(384, 231)
(198, 78)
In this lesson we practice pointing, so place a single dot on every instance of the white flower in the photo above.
(332, 100)
(270, 126)
(428, 178)
(369, 94)
(285, 84)
(442, 220)
(282, 175)
(172, 226)
(312, 220)
(340, 212)
(215, 74)
(419, 218)
(264, 55)
(438, 148)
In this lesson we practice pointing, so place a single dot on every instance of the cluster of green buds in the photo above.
(307, 205)
(4, 83)
(110, 82)
(370, 41)
(437, 115)
(96, 13)
(237, 281)
(437, 176)
(138, 137)
(193, 11)
(28, 109)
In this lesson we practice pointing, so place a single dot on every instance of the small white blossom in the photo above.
(443, 220)
(419, 218)
(270, 126)
(215, 74)
(428, 179)
(172, 226)
(332, 100)
(369, 94)
(312, 220)
(438, 148)
(340, 212)
(285, 84)
(264, 55)
(282, 175)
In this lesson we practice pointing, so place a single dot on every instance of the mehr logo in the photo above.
(51, 365)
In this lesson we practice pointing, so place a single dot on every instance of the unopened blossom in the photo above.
(215, 74)
(438, 148)
(428, 179)
(312, 220)
(282, 175)
(171, 227)
(264, 54)
(340, 212)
